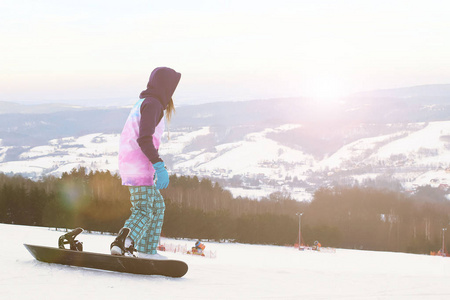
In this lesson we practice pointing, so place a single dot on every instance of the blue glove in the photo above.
(162, 177)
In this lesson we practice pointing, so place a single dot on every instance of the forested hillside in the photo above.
(347, 217)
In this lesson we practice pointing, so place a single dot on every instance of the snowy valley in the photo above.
(415, 157)
(253, 148)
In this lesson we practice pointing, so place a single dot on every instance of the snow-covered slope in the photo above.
(239, 272)
(94, 151)
(415, 157)
(418, 154)
(256, 154)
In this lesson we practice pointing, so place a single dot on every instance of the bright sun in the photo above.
(326, 91)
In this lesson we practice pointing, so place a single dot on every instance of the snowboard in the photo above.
(118, 263)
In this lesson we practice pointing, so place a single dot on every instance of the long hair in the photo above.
(170, 110)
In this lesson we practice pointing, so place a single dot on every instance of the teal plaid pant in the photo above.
(146, 219)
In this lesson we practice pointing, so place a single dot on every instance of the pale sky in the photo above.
(61, 50)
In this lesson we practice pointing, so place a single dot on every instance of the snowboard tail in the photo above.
(125, 264)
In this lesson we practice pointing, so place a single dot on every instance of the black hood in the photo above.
(161, 85)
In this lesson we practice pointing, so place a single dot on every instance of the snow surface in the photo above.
(239, 272)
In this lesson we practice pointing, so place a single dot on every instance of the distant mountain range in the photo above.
(254, 147)
(439, 91)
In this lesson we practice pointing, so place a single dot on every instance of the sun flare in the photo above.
(326, 91)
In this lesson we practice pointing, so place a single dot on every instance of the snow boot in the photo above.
(123, 244)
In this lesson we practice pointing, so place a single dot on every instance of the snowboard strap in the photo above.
(69, 238)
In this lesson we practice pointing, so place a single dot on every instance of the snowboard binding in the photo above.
(123, 245)
(69, 238)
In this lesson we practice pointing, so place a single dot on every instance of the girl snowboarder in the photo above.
(139, 163)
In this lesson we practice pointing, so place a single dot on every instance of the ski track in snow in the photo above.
(240, 271)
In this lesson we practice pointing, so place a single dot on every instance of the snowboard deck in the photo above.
(124, 264)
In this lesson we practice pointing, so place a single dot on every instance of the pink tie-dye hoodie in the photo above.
(141, 135)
